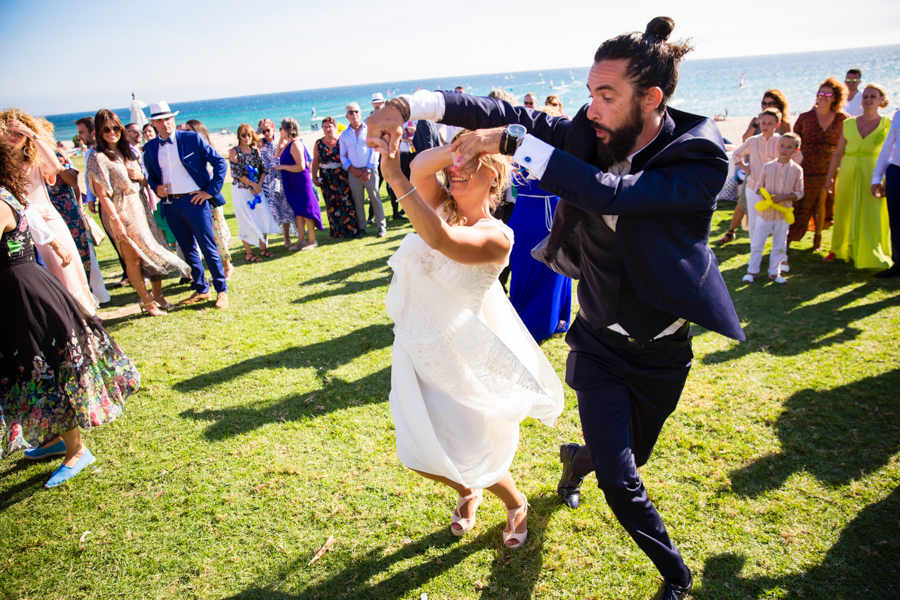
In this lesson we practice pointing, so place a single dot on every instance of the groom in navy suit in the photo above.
(637, 182)
(176, 164)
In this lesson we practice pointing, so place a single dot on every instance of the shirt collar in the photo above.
(662, 125)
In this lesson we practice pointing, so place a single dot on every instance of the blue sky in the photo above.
(67, 56)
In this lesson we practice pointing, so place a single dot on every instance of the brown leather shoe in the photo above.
(195, 298)
(222, 300)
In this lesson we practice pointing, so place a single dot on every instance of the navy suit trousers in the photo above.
(624, 396)
(892, 193)
(191, 222)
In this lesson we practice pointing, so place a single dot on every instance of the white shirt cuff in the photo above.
(533, 155)
(425, 104)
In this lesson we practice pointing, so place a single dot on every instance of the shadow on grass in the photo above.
(514, 573)
(334, 393)
(24, 489)
(342, 287)
(864, 563)
(835, 435)
(796, 331)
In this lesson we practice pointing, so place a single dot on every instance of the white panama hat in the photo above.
(377, 97)
(160, 110)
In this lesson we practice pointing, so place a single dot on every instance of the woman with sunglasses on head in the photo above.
(251, 208)
(554, 106)
(33, 149)
(820, 130)
(119, 184)
(216, 214)
(272, 185)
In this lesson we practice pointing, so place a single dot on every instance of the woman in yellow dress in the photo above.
(861, 226)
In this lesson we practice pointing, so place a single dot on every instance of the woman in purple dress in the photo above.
(297, 184)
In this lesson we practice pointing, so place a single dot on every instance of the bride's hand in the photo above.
(390, 167)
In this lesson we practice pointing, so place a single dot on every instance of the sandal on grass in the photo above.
(250, 257)
(266, 253)
(728, 237)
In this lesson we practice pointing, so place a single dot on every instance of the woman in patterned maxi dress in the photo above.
(331, 178)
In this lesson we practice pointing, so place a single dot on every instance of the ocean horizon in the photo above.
(706, 86)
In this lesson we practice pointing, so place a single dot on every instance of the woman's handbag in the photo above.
(95, 231)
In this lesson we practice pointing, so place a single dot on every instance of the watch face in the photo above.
(517, 131)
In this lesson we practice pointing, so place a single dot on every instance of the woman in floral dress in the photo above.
(64, 198)
(820, 129)
(272, 186)
(59, 371)
(330, 176)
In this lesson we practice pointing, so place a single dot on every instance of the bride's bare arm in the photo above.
(466, 245)
(423, 174)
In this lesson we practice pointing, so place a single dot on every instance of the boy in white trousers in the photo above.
(782, 178)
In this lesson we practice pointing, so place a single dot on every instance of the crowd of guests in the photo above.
(835, 168)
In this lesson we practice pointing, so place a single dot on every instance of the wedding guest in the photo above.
(854, 106)
(294, 166)
(759, 149)
(133, 135)
(360, 162)
(177, 170)
(59, 372)
(272, 185)
(333, 180)
(862, 230)
(149, 132)
(377, 101)
(555, 105)
(251, 208)
(119, 184)
(85, 127)
(220, 227)
(819, 130)
(782, 178)
(771, 99)
(530, 100)
(37, 158)
(457, 418)
(886, 184)
(498, 93)
(65, 197)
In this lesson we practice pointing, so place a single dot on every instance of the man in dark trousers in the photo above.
(638, 183)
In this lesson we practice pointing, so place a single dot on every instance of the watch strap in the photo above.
(504, 141)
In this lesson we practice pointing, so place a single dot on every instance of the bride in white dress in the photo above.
(465, 369)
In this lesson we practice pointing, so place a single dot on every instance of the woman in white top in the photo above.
(465, 370)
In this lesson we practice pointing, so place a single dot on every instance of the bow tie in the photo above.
(164, 141)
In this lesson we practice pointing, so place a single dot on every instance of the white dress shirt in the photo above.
(890, 152)
(854, 107)
(532, 155)
(354, 150)
(173, 172)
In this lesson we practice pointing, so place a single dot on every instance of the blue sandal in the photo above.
(40, 453)
(63, 473)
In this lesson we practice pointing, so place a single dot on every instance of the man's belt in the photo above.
(177, 196)
(668, 341)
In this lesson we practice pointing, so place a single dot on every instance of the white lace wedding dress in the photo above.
(465, 369)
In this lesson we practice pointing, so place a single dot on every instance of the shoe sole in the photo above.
(45, 456)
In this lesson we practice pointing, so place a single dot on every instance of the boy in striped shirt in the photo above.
(783, 179)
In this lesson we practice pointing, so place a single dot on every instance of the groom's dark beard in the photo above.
(621, 140)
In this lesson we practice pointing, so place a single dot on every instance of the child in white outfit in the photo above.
(782, 178)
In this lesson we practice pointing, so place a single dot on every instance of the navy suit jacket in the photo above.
(195, 153)
(665, 208)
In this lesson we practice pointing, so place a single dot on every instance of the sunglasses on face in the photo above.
(769, 103)
(851, 80)
(529, 103)
(245, 135)
(824, 95)
(352, 112)
(114, 128)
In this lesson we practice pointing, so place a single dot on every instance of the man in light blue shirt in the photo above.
(361, 163)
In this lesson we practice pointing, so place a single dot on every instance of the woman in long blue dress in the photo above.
(298, 186)
(542, 298)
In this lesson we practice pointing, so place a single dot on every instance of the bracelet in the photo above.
(406, 194)
(401, 106)
(113, 217)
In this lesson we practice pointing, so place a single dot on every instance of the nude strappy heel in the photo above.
(465, 525)
(518, 539)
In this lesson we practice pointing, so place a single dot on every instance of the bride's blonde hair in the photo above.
(501, 166)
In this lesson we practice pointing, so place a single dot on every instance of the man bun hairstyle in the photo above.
(653, 61)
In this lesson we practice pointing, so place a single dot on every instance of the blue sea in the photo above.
(707, 87)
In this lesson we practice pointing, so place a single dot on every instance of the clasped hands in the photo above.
(385, 129)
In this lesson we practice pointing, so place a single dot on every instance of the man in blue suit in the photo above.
(176, 167)
(638, 183)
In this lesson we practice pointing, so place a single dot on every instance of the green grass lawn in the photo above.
(263, 430)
